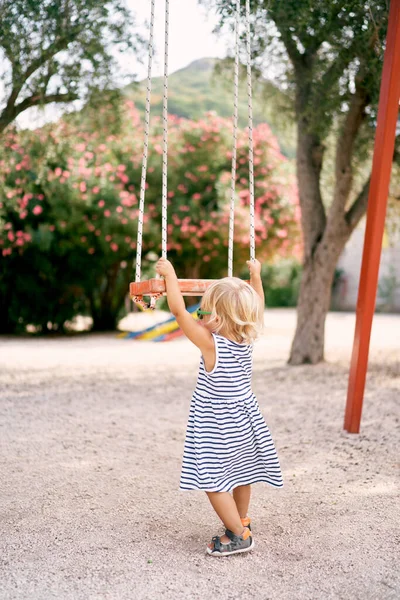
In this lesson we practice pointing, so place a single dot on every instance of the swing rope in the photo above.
(145, 150)
(165, 141)
(165, 138)
(234, 148)
(251, 147)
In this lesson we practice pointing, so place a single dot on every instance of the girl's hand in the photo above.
(254, 267)
(164, 267)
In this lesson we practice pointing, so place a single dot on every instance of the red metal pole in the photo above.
(377, 201)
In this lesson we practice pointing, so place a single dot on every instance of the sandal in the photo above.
(237, 545)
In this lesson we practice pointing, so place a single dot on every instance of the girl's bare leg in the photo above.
(241, 496)
(225, 507)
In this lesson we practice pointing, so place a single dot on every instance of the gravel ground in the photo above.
(91, 439)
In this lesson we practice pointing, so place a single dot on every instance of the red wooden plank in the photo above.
(188, 287)
(378, 192)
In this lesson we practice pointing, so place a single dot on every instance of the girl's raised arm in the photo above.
(255, 278)
(200, 336)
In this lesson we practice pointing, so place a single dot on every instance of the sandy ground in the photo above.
(91, 438)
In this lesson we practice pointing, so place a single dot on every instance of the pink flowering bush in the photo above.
(199, 198)
(69, 201)
(66, 235)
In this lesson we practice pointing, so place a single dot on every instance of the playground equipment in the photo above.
(154, 288)
(377, 202)
(160, 332)
(388, 111)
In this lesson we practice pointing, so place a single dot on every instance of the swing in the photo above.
(155, 288)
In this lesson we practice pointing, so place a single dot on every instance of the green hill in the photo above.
(206, 85)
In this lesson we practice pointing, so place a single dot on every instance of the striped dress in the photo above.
(227, 441)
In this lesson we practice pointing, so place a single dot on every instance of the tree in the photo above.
(59, 50)
(332, 52)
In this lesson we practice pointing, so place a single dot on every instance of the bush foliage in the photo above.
(69, 208)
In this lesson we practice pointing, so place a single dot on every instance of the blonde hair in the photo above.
(238, 307)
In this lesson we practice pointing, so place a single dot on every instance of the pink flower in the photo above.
(107, 213)
(202, 168)
(96, 189)
(114, 247)
(82, 186)
(108, 238)
(83, 238)
(51, 227)
(57, 172)
(37, 210)
(206, 258)
(196, 196)
(119, 209)
(91, 251)
(6, 251)
(101, 203)
(11, 236)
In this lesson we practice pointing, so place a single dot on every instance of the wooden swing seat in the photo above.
(156, 287)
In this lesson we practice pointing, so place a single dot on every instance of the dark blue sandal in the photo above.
(237, 544)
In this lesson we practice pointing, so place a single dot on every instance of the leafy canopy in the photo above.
(331, 45)
(59, 50)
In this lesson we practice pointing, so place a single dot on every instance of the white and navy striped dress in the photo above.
(227, 441)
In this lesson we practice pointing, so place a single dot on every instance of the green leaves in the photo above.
(328, 45)
(60, 50)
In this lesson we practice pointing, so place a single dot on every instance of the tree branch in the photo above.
(309, 163)
(344, 152)
(358, 208)
(36, 100)
(339, 64)
(59, 45)
(280, 21)
(8, 115)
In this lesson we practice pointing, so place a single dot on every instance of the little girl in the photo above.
(228, 445)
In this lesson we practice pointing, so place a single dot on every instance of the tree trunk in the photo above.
(314, 302)
(6, 325)
(106, 320)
